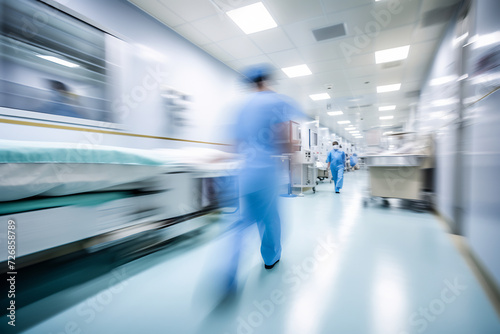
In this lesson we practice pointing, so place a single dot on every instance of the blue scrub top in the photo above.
(354, 160)
(336, 159)
(256, 133)
(60, 105)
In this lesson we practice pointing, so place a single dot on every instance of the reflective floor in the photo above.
(344, 269)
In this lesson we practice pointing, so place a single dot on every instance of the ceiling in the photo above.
(342, 66)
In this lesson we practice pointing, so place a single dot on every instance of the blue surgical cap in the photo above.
(256, 73)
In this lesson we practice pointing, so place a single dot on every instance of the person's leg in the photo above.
(334, 177)
(265, 210)
(340, 179)
(270, 231)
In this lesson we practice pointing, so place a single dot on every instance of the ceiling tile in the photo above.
(320, 52)
(272, 40)
(261, 59)
(340, 5)
(373, 19)
(287, 11)
(407, 13)
(216, 51)
(390, 76)
(189, 10)
(227, 5)
(424, 34)
(192, 34)
(159, 11)
(218, 28)
(300, 33)
(240, 47)
(286, 58)
(394, 38)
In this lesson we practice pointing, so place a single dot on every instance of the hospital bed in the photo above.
(64, 196)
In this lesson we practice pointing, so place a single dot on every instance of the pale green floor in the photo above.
(344, 269)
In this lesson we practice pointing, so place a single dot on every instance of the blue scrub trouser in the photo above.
(338, 177)
(261, 208)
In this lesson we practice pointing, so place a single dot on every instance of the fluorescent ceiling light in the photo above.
(386, 56)
(388, 88)
(335, 113)
(444, 102)
(350, 128)
(386, 117)
(58, 61)
(252, 18)
(357, 131)
(321, 96)
(443, 80)
(485, 40)
(344, 122)
(386, 108)
(297, 71)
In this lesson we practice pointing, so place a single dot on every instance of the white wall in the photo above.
(482, 137)
(468, 140)
(439, 112)
(181, 65)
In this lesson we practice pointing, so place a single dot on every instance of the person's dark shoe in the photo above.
(271, 266)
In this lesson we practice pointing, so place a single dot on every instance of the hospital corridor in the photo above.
(249, 167)
(344, 269)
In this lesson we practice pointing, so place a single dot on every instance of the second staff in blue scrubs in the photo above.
(336, 163)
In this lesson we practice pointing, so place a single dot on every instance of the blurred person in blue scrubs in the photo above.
(62, 101)
(260, 134)
(336, 163)
(354, 161)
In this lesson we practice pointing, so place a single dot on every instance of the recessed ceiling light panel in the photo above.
(252, 18)
(388, 88)
(390, 55)
(297, 71)
(318, 97)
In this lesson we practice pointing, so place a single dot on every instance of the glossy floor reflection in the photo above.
(344, 269)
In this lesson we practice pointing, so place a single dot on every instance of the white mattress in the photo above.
(55, 169)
